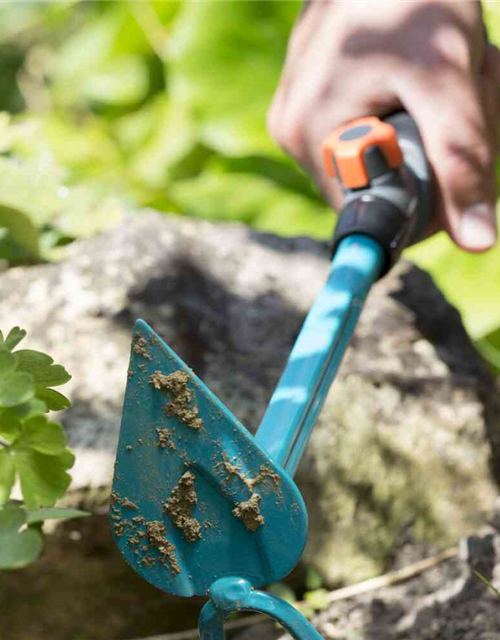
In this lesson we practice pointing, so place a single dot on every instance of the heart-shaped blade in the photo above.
(195, 497)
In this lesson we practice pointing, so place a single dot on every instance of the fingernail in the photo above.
(478, 229)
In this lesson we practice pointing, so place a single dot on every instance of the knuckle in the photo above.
(452, 49)
(290, 135)
(476, 156)
(468, 166)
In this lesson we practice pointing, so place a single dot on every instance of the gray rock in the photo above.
(399, 451)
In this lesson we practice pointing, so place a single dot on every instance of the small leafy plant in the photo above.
(33, 449)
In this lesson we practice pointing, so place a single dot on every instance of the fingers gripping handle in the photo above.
(386, 180)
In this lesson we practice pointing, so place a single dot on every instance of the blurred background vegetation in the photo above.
(109, 106)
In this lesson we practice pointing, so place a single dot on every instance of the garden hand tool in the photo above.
(199, 506)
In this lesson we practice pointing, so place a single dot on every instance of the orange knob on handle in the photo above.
(360, 151)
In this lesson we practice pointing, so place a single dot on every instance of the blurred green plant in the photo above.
(119, 104)
(32, 449)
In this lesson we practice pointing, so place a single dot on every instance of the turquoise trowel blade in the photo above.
(195, 497)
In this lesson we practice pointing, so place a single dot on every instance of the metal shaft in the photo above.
(287, 425)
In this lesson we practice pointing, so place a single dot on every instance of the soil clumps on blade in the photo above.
(129, 504)
(249, 512)
(180, 504)
(165, 439)
(139, 346)
(176, 384)
(155, 531)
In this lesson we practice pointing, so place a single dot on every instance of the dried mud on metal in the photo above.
(176, 384)
(182, 501)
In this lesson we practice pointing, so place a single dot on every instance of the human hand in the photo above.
(351, 59)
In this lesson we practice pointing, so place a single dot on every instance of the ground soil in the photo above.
(447, 602)
(82, 589)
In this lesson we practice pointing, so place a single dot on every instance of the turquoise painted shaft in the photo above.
(286, 427)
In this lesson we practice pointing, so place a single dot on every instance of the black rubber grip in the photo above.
(417, 163)
(379, 219)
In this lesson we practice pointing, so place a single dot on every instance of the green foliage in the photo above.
(151, 103)
(18, 548)
(32, 448)
(314, 578)
(317, 599)
(250, 198)
(314, 600)
(228, 72)
(20, 539)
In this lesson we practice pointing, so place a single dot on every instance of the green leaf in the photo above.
(282, 590)
(172, 140)
(8, 362)
(253, 199)
(41, 367)
(88, 212)
(318, 599)
(54, 400)
(121, 81)
(29, 197)
(39, 515)
(135, 129)
(41, 435)
(283, 171)
(226, 61)
(491, 16)
(7, 474)
(314, 579)
(103, 61)
(13, 338)
(17, 548)
(489, 346)
(27, 409)
(16, 388)
(86, 148)
(12, 504)
(10, 424)
(10, 251)
(21, 232)
(43, 478)
(87, 48)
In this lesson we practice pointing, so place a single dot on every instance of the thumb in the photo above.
(460, 140)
